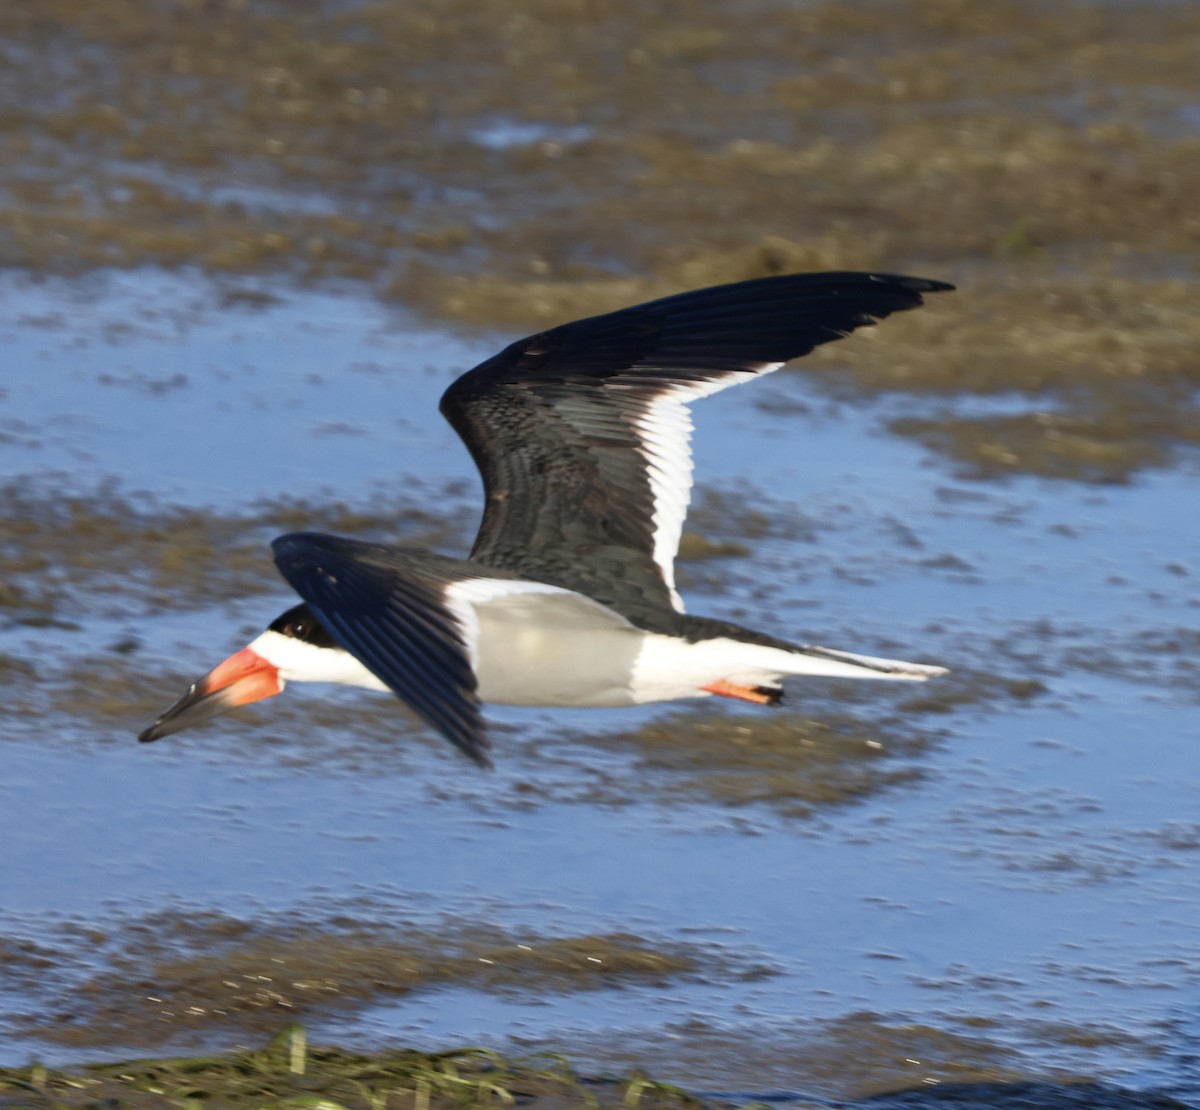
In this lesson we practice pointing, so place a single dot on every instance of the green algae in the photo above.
(289, 1072)
(891, 1065)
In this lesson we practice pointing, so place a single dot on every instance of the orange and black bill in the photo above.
(243, 678)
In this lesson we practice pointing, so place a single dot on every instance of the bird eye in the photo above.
(296, 630)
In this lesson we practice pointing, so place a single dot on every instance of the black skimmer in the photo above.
(581, 435)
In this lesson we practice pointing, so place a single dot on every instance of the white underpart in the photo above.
(668, 668)
(298, 661)
(895, 668)
(665, 431)
(535, 644)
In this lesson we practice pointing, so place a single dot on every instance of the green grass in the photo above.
(289, 1072)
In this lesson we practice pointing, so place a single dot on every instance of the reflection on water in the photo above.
(1034, 885)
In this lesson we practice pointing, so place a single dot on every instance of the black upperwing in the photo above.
(581, 433)
(386, 606)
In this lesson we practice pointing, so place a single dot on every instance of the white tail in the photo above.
(846, 664)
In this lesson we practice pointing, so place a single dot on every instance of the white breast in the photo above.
(298, 661)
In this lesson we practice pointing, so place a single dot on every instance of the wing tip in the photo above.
(909, 283)
(467, 731)
(479, 756)
(925, 285)
(912, 284)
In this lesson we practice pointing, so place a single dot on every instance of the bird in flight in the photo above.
(581, 435)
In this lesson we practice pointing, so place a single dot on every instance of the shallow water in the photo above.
(1039, 882)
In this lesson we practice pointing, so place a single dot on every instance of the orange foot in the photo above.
(760, 695)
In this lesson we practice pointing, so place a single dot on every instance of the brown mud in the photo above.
(185, 979)
(795, 764)
(865, 1055)
(494, 166)
(67, 554)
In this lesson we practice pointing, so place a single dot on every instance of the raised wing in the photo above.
(582, 433)
(388, 607)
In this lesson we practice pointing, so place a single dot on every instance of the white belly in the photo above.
(550, 650)
(562, 649)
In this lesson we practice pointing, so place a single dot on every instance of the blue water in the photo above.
(1040, 871)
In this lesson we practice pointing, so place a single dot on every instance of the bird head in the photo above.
(295, 647)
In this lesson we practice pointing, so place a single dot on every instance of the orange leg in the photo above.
(760, 695)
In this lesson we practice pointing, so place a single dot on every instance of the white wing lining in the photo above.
(664, 430)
